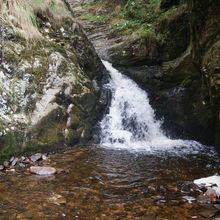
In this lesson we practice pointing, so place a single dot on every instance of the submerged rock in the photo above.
(208, 213)
(57, 199)
(189, 199)
(44, 171)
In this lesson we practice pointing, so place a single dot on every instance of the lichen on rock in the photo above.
(40, 79)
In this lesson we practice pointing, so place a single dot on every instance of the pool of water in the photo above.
(102, 183)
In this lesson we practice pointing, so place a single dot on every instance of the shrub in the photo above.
(146, 32)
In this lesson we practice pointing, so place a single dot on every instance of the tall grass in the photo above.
(21, 14)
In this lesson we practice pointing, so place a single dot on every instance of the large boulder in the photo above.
(174, 33)
(205, 41)
(133, 52)
(50, 90)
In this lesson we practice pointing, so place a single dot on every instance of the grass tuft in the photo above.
(21, 15)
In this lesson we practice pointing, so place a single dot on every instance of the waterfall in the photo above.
(131, 124)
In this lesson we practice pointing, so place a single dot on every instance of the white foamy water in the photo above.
(131, 124)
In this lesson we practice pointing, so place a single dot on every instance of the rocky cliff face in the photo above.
(176, 62)
(185, 87)
(205, 42)
(50, 90)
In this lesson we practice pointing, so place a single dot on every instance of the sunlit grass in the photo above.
(21, 15)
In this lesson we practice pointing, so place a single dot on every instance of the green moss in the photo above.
(146, 32)
(75, 121)
(8, 145)
(186, 82)
(165, 17)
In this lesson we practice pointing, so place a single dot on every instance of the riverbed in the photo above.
(102, 183)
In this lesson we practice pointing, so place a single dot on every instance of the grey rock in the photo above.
(189, 199)
(217, 206)
(44, 171)
(203, 199)
(21, 165)
(44, 157)
(23, 158)
(36, 157)
(6, 164)
(12, 158)
(2, 167)
(208, 213)
(14, 162)
(211, 192)
(10, 170)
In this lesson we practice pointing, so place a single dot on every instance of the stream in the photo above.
(136, 172)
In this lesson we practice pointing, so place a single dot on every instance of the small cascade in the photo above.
(131, 124)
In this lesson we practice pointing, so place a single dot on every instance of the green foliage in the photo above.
(8, 145)
(124, 25)
(143, 10)
(21, 15)
(186, 82)
(95, 18)
(135, 9)
(146, 32)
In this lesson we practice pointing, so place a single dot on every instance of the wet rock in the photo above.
(217, 206)
(14, 162)
(208, 213)
(44, 157)
(23, 158)
(211, 193)
(10, 170)
(6, 164)
(151, 188)
(11, 159)
(2, 167)
(26, 161)
(36, 157)
(212, 185)
(21, 165)
(203, 199)
(189, 199)
(57, 199)
(42, 170)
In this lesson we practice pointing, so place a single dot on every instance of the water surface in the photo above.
(103, 183)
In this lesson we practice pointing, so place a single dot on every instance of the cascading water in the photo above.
(131, 123)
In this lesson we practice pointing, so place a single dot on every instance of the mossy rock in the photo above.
(174, 33)
(75, 121)
(167, 4)
(72, 137)
(180, 69)
(134, 52)
(50, 129)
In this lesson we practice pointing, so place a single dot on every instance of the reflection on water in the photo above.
(99, 183)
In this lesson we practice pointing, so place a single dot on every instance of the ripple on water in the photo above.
(106, 184)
